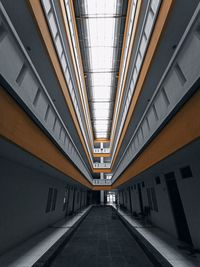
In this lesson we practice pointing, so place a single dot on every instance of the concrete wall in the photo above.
(23, 201)
(189, 189)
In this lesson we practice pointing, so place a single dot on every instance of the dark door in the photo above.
(140, 197)
(80, 199)
(177, 208)
(130, 199)
(74, 197)
(67, 200)
(123, 199)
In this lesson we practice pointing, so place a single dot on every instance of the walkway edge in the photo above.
(53, 251)
(153, 254)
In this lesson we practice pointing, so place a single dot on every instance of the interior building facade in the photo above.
(99, 112)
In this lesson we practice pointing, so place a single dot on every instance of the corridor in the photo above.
(99, 133)
(102, 241)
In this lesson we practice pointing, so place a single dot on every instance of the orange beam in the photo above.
(67, 31)
(21, 130)
(182, 129)
(102, 170)
(101, 140)
(135, 25)
(165, 9)
(98, 155)
(102, 187)
(38, 15)
(17, 127)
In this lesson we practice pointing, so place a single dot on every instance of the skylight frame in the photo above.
(100, 30)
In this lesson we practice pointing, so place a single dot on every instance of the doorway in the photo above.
(130, 200)
(177, 208)
(140, 198)
(111, 198)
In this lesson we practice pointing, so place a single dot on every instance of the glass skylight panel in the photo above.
(100, 25)
(101, 92)
(101, 105)
(103, 7)
(101, 129)
(101, 63)
(101, 114)
(101, 79)
(101, 31)
(101, 123)
(100, 135)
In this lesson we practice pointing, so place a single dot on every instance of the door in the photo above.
(177, 208)
(140, 198)
(74, 197)
(130, 199)
(67, 200)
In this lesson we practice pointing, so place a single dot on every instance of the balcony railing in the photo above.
(101, 182)
(102, 150)
(56, 34)
(145, 36)
(17, 69)
(176, 83)
(97, 165)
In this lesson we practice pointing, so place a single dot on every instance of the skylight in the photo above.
(101, 93)
(101, 25)
(100, 18)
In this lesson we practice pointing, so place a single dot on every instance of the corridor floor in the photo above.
(101, 240)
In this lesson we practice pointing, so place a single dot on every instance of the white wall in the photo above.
(189, 189)
(190, 196)
(23, 200)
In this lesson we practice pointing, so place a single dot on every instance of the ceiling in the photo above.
(101, 29)
(11, 152)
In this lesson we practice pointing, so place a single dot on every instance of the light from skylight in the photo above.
(100, 23)
(101, 92)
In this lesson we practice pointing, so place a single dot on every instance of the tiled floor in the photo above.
(101, 240)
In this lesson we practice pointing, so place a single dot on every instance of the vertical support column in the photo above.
(73, 203)
(85, 199)
(102, 191)
(102, 197)
(101, 145)
(81, 196)
(68, 200)
(130, 199)
(123, 197)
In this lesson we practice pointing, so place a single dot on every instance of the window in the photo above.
(111, 198)
(49, 199)
(54, 199)
(157, 179)
(149, 198)
(65, 199)
(186, 172)
(78, 193)
(125, 196)
(154, 199)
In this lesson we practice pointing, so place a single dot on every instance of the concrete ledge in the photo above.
(41, 249)
(156, 258)
(161, 248)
